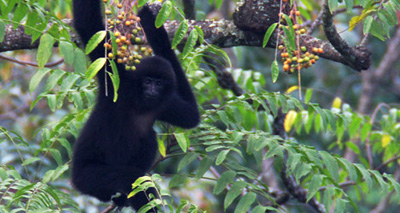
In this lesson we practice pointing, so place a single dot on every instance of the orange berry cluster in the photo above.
(302, 57)
(298, 61)
(125, 26)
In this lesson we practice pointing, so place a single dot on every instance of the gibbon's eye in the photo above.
(147, 81)
(158, 83)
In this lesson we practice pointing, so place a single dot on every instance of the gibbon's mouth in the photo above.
(152, 97)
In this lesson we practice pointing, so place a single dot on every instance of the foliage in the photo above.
(224, 155)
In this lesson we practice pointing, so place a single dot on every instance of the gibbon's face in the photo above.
(153, 88)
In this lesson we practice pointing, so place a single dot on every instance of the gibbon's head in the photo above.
(156, 79)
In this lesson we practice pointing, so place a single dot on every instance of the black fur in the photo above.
(118, 144)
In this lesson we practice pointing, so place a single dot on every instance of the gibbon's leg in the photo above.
(103, 182)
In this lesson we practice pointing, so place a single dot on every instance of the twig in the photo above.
(387, 162)
(318, 20)
(109, 208)
(344, 184)
(367, 144)
(27, 63)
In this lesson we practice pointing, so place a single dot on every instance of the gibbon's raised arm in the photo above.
(183, 110)
(88, 20)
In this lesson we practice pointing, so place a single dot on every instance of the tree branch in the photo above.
(223, 33)
(358, 57)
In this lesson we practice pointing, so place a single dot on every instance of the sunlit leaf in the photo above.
(44, 50)
(337, 103)
(289, 120)
(180, 33)
(268, 34)
(95, 41)
(386, 139)
(274, 71)
(292, 89)
(164, 14)
(95, 67)
(37, 78)
(2, 30)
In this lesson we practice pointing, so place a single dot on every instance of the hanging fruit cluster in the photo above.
(299, 60)
(125, 28)
(300, 57)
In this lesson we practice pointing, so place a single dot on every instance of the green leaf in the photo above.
(331, 164)
(20, 12)
(218, 4)
(246, 202)
(293, 160)
(142, 2)
(201, 34)
(308, 95)
(290, 34)
(53, 79)
(349, 5)
(190, 43)
(268, 34)
(385, 24)
(272, 105)
(23, 190)
(52, 102)
(365, 130)
(182, 141)
(224, 117)
(37, 78)
(340, 205)
(354, 125)
(161, 147)
(30, 161)
(54, 31)
(275, 150)
(67, 51)
(114, 79)
(263, 209)
(189, 157)
(95, 67)
(226, 178)
(77, 99)
(365, 174)
(2, 31)
(377, 30)
(57, 156)
(79, 61)
(204, 166)
(94, 41)
(378, 177)
(65, 143)
(3, 174)
(221, 156)
(274, 71)
(164, 14)
(68, 82)
(177, 180)
(114, 45)
(318, 123)
(233, 193)
(59, 171)
(182, 205)
(314, 186)
(333, 5)
(180, 33)
(44, 50)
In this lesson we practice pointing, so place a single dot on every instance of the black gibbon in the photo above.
(118, 144)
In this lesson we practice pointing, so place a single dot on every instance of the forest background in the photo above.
(325, 139)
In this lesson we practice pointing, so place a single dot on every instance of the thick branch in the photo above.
(223, 33)
(358, 57)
